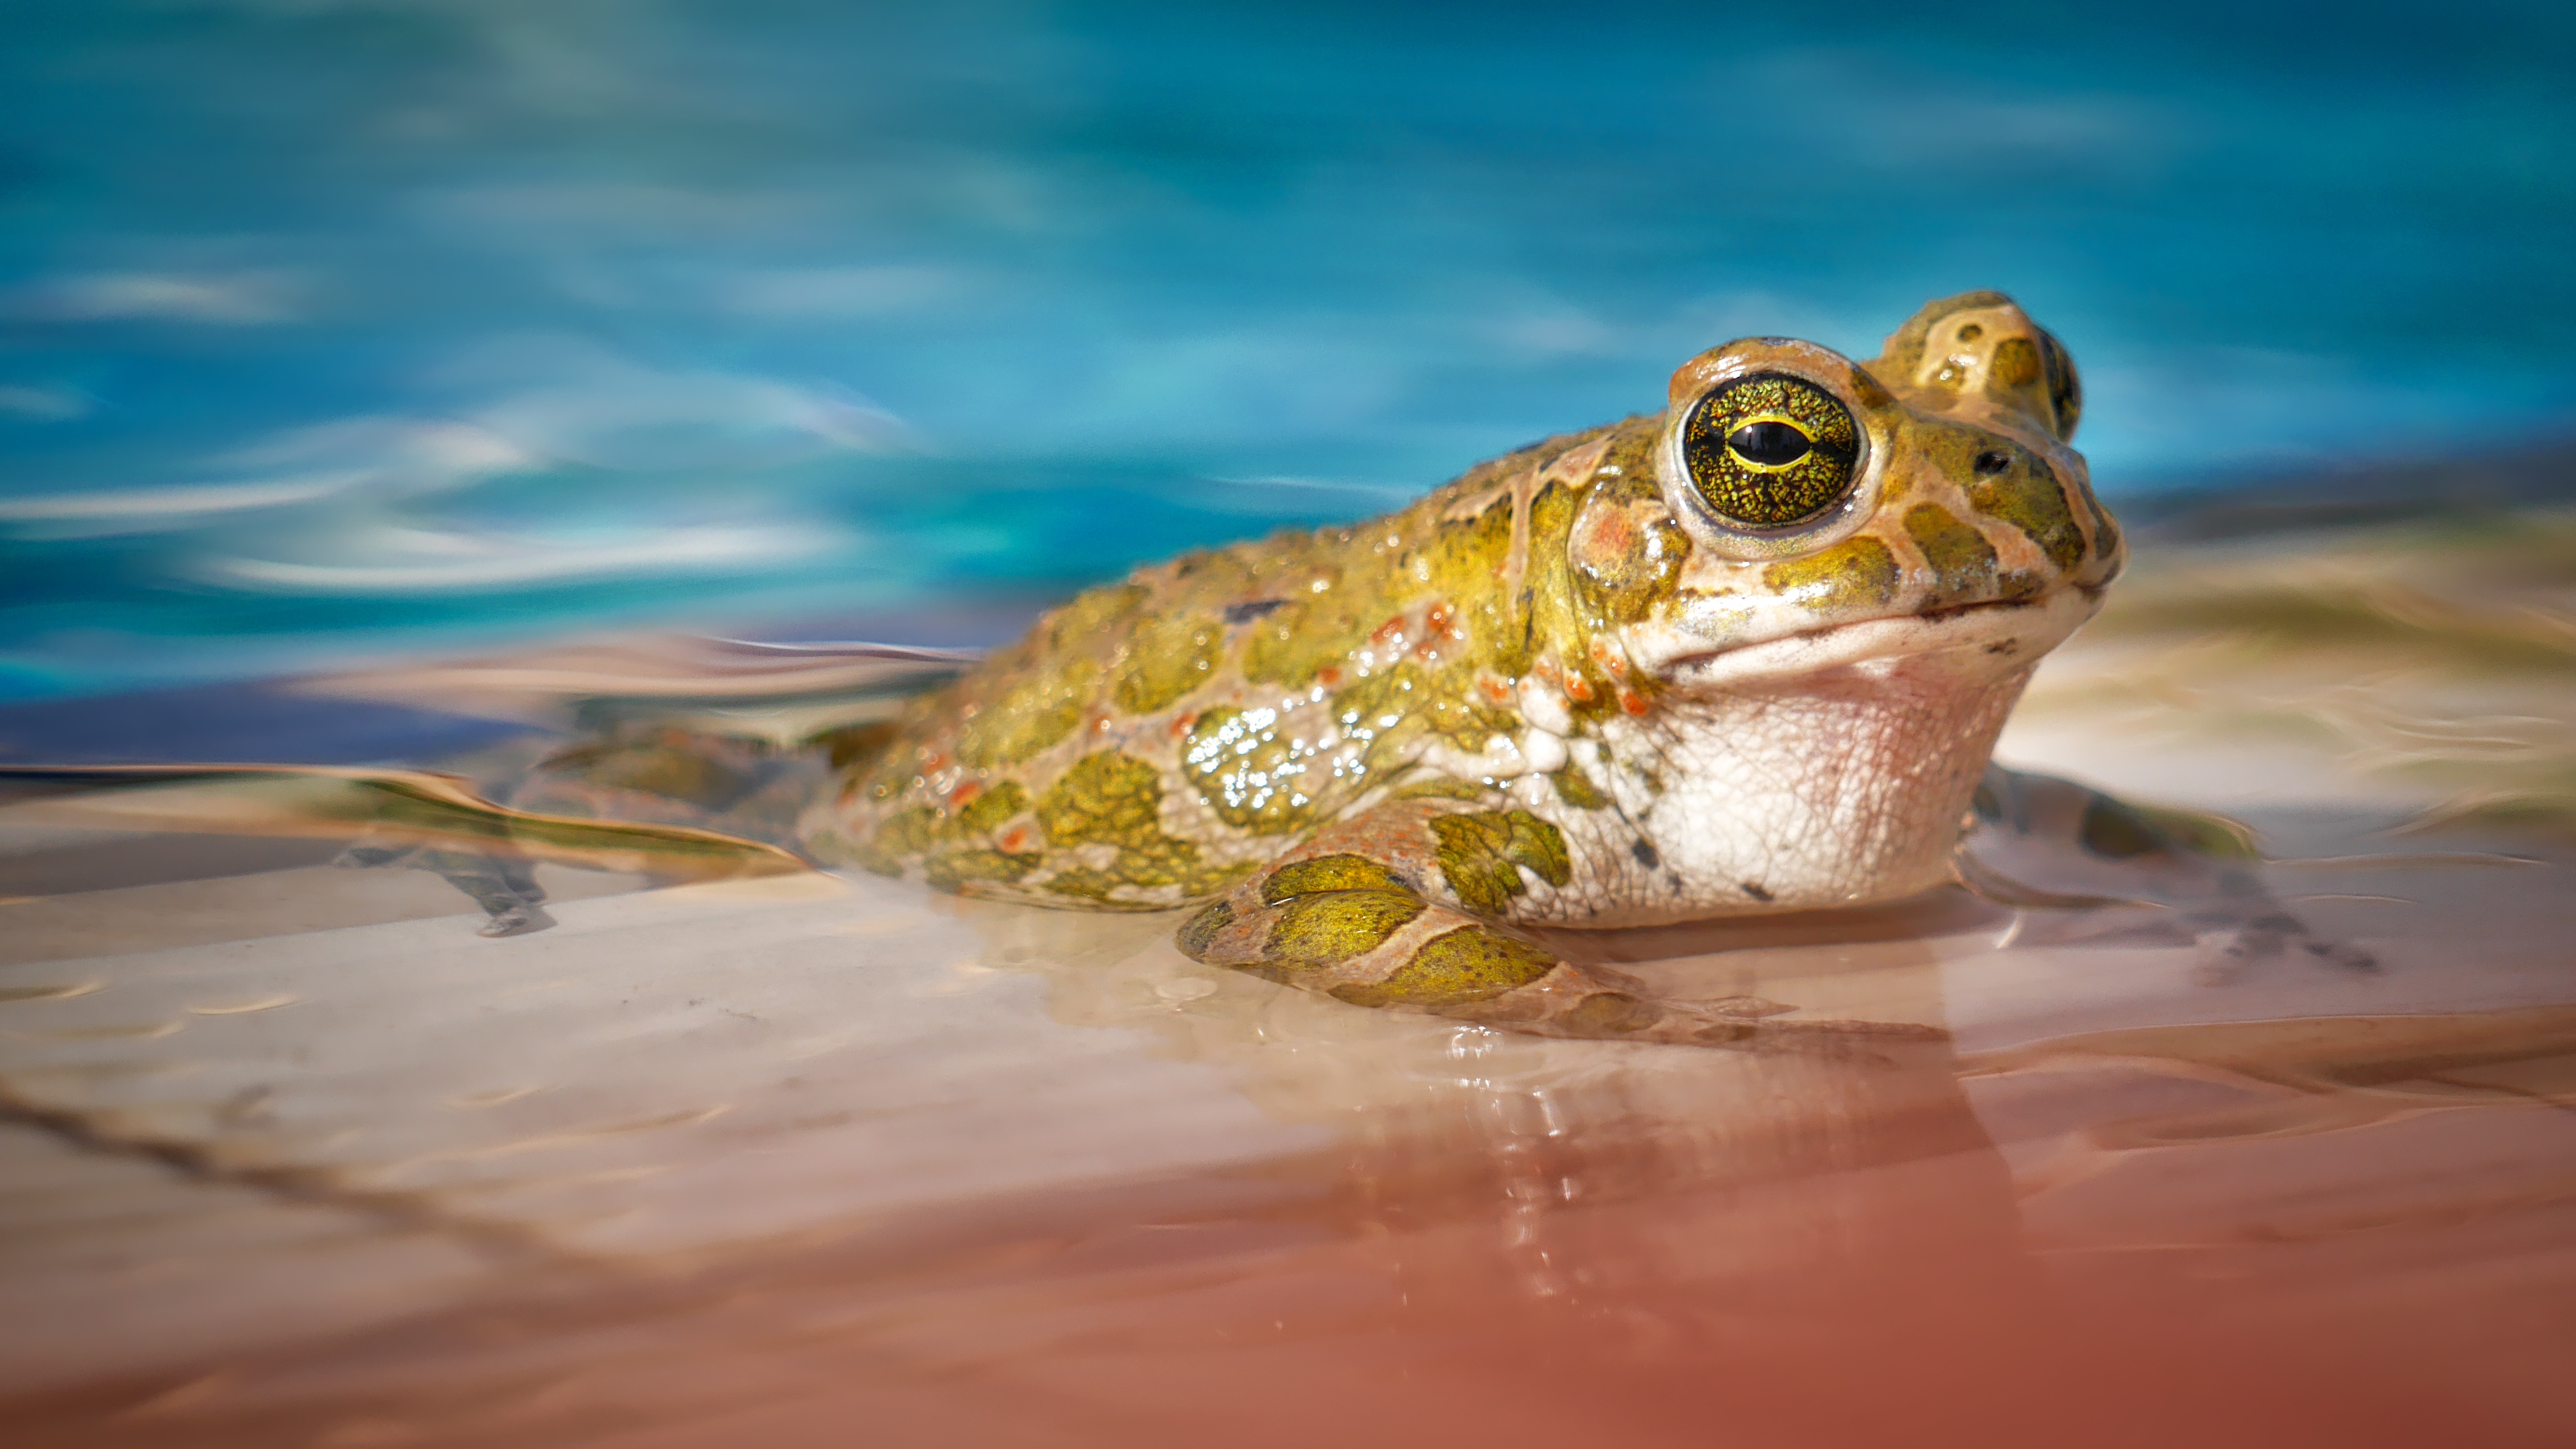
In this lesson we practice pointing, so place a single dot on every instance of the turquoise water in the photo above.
(331, 330)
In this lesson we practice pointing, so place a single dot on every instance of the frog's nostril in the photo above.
(1990, 462)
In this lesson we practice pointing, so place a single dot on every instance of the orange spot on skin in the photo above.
(1330, 676)
(1181, 724)
(1633, 702)
(1610, 660)
(965, 793)
(1611, 537)
(1494, 690)
(1578, 689)
(1100, 724)
(1015, 839)
(1389, 632)
(934, 761)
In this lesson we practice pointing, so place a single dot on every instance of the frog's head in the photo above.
(1835, 578)
(1814, 513)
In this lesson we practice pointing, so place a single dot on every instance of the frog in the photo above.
(1745, 654)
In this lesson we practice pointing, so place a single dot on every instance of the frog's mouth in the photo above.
(1973, 641)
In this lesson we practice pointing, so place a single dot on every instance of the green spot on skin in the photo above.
(1201, 931)
(986, 812)
(2015, 364)
(2106, 533)
(2117, 830)
(1469, 965)
(1093, 615)
(1480, 855)
(1851, 576)
(1278, 647)
(2214, 836)
(1575, 788)
(952, 847)
(1029, 719)
(1312, 932)
(1441, 787)
(956, 869)
(1402, 703)
(906, 832)
(1871, 392)
(1084, 883)
(2033, 503)
(1312, 629)
(1247, 774)
(1167, 659)
(1329, 873)
(866, 857)
(1106, 799)
(1115, 799)
(1963, 563)
(1613, 1013)
(1207, 878)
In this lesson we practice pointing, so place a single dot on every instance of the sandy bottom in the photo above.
(290, 1156)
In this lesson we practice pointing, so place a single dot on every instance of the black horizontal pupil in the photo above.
(1768, 444)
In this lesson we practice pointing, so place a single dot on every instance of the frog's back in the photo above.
(1154, 740)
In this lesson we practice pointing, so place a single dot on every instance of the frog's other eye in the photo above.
(1771, 450)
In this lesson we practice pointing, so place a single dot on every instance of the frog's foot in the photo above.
(2038, 843)
(373, 855)
(504, 884)
(2227, 949)
(1356, 929)
(516, 920)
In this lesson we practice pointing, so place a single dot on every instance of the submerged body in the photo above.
(1747, 654)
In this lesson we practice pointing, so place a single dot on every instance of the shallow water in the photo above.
(331, 331)
(295, 1157)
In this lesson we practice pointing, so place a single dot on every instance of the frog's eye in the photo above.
(1771, 450)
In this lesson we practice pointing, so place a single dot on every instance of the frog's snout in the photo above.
(1978, 357)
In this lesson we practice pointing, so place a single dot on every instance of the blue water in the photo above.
(336, 330)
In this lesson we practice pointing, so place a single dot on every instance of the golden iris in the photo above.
(1771, 450)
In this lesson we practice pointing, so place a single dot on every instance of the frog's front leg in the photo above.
(500, 880)
(2038, 841)
(1406, 906)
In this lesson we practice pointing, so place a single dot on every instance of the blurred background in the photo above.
(336, 330)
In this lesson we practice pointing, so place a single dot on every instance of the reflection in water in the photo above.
(784, 1158)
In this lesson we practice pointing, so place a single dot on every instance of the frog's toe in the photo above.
(2343, 954)
(518, 920)
(1839, 1039)
(2224, 956)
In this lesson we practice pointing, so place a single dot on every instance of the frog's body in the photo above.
(1747, 654)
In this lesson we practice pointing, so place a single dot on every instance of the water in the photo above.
(439, 338)
(293, 1156)
(334, 331)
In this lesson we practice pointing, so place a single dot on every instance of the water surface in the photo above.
(330, 329)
